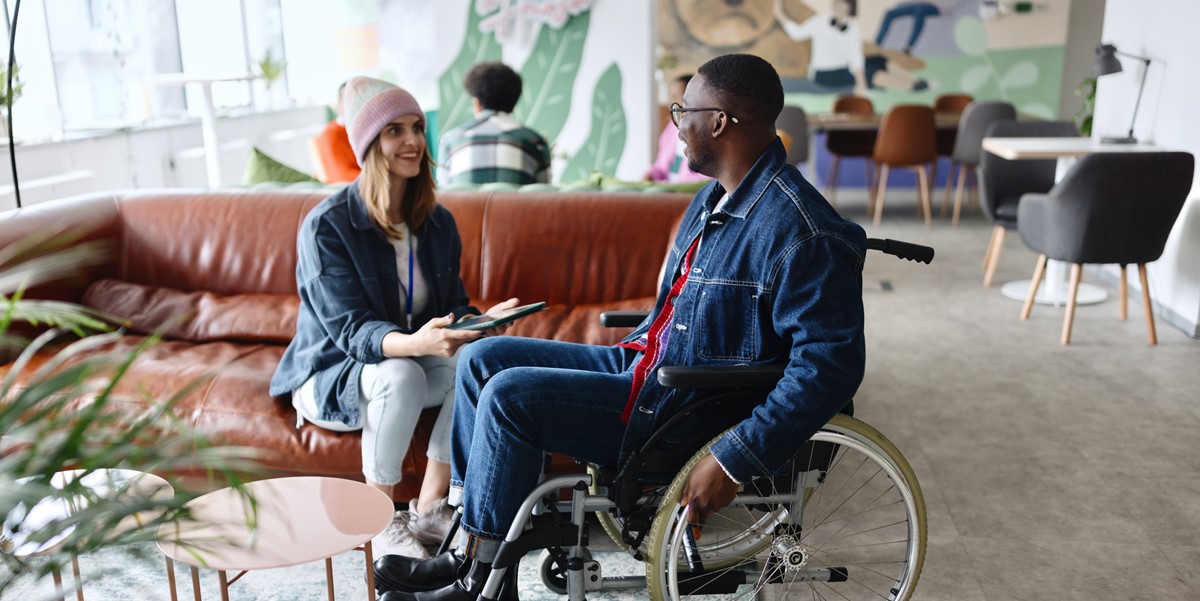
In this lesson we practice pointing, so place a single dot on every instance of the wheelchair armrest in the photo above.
(622, 319)
(722, 376)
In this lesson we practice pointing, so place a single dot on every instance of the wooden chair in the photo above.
(844, 144)
(906, 139)
(1110, 208)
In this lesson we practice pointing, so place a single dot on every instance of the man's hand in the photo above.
(496, 309)
(708, 490)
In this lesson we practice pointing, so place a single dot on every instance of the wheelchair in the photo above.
(844, 519)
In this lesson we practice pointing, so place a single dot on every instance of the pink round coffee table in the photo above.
(299, 520)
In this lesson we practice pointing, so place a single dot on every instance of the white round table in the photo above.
(108, 484)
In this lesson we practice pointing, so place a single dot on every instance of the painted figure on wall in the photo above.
(836, 61)
(820, 46)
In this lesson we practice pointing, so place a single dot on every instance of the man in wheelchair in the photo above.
(762, 272)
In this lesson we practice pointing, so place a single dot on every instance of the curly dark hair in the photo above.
(746, 85)
(495, 85)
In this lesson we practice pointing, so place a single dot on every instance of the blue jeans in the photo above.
(517, 398)
(917, 10)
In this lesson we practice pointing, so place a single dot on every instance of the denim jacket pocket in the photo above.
(726, 321)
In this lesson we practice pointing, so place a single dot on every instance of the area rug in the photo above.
(138, 572)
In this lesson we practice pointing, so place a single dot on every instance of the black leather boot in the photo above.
(466, 588)
(408, 574)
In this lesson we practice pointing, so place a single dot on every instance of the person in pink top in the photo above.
(671, 166)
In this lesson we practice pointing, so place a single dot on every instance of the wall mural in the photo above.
(549, 77)
(893, 52)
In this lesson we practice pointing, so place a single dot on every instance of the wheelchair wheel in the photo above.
(725, 548)
(610, 523)
(846, 520)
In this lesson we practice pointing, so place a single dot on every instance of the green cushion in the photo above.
(498, 187)
(539, 188)
(262, 168)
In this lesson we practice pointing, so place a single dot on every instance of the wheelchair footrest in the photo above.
(539, 537)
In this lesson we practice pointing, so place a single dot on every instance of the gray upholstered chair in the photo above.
(1002, 182)
(794, 121)
(975, 121)
(1110, 208)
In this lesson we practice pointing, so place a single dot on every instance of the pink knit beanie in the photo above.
(371, 104)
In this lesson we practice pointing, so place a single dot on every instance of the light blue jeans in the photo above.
(516, 399)
(393, 394)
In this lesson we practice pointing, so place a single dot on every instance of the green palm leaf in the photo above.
(477, 47)
(606, 142)
(548, 76)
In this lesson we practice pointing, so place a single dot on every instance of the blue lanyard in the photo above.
(409, 291)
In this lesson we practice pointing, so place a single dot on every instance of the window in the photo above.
(91, 64)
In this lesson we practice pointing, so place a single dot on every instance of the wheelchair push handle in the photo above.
(904, 250)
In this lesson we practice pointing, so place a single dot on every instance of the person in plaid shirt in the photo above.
(493, 147)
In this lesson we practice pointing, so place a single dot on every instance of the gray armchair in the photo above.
(1002, 182)
(794, 121)
(968, 145)
(1110, 208)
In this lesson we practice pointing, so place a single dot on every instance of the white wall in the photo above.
(154, 158)
(1165, 31)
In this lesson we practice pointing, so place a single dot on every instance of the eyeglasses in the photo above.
(677, 110)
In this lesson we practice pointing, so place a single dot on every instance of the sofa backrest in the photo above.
(576, 248)
(228, 257)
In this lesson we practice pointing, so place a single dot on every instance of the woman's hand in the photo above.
(497, 309)
(432, 339)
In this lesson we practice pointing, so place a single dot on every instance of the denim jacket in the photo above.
(777, 279)
(350, 298)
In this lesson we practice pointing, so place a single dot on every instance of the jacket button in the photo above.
(645, 410)
(680, 327)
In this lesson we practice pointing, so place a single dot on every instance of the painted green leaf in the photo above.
(971, 36)
(1020, 75)
(477, 48)
(548, 76)
(973, 79)
(606, 142)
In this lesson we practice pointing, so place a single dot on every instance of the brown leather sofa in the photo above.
(225, 262)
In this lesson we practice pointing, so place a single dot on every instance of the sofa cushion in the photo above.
(197, 316)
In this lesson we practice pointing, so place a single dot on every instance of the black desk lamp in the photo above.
(1106, 63)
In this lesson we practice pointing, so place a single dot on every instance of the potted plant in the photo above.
(6, 99)
(66, 413)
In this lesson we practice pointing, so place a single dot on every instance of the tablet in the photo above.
(483, 322)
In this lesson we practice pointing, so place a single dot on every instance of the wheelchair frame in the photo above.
(540, 522)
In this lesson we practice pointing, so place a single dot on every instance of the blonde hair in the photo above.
(374, 185)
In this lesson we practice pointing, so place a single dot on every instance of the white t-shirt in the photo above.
(832, 47)
(420, 288)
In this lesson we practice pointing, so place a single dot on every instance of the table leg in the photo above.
(196, 583)
(58, 585)
(78, 580)
(370, 571)
(224, 585)
(208, 128)
(329, 577)
(171, 579)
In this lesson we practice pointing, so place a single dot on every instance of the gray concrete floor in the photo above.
(1049, 472)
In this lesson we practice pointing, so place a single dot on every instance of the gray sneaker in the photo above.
(399, 539)
(431, 527)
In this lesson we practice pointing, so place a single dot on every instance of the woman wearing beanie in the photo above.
(378, 279)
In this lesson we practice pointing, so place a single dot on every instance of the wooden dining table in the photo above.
(827, 122)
